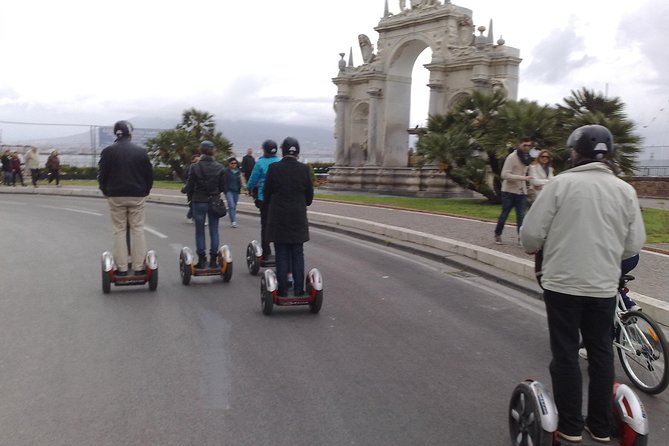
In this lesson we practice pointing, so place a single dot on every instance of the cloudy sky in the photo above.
(92, 63)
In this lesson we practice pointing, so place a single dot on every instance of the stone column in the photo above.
(436, 98)
(341, 158)
(372, 127)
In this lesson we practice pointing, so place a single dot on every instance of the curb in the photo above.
(420, 243)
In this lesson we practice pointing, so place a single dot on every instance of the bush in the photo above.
(68, 172)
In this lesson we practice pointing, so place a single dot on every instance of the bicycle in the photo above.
(641, 345)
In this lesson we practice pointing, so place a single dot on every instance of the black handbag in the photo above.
(217, 206)
(216, 203)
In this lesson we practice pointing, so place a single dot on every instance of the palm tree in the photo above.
(587, 107)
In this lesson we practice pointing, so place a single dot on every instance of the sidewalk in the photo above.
(462, 241)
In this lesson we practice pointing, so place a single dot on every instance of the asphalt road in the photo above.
(404, 352)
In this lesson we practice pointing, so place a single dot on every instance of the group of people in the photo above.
(282, 188)
(12, 167)
(585, 221)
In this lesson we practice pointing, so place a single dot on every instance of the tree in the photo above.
(176, 147)
(587, 107)
(472, 140)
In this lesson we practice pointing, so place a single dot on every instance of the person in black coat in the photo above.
(125, 177)
(206, 179)
(288, 191)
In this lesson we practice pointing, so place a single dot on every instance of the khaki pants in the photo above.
(128, 212)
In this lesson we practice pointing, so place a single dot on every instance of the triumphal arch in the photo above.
(372, 104)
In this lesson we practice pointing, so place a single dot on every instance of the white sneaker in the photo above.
(583, 353)
(234, 224)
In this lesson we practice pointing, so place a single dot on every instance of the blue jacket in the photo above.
(257, 179)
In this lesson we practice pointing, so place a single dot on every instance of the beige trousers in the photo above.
(128, 212)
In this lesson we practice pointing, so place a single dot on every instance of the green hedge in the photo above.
(68, 172)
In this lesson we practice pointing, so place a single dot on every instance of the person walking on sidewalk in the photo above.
(32, 163)
(255, 187)
(125, 177)
(288, 192)
(53, 168)
(248, 162)
(206, 179)
(233, 181)
(514, 186)
(17, 169)
(541, 172)
(585, 221)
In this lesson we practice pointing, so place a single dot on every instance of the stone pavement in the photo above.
(454, 240)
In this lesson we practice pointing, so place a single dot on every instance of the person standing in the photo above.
(541, 172)
(585, 222)
(233, 181)
(32, 163)
(53, 168)
(248, 161)
(288, 192)
(125, 177)
(189, 199)
(255, 188)
(206, 179)
(514, 186)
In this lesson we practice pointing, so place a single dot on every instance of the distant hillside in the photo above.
(242, 134)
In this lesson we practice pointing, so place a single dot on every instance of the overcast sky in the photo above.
(90, 62)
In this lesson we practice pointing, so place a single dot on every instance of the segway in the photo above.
(187, 263)
(110, 273)
(313, 295)
(533, 416)
(255, 259)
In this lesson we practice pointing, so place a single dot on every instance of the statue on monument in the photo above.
(366, 48)
(415, 4)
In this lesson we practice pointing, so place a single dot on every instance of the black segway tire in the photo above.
(153, 280)
(525, 419)
(266, 298)
(252, 261)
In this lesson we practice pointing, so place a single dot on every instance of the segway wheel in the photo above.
(316, 305)
(106, 282)
(184, 270)
(525, 419)
(266, 298)
(252, 261)
(153, 280)
(227, 273)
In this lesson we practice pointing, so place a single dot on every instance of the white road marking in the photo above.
(80, 211)
(154, 232)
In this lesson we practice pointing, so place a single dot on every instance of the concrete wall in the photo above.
(651, 187)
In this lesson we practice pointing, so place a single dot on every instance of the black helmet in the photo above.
(122, 129)
(591, 141)
(207, 145)
(269, 147)
(290, 146)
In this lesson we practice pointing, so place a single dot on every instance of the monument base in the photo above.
(404, 181)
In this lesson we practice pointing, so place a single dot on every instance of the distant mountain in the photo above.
(243, 134)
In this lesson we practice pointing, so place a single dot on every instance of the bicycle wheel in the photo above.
(642, 349)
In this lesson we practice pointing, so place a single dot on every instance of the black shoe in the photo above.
(213, 262)
(201, 262)
(121, 273)
(140, 273)
(299, 293)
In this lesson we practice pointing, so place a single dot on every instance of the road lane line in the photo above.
(154, 232)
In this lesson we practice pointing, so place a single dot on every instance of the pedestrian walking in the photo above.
(585, 221)
(233, 181)
(514, 186)
(53, 168)
(32, 163)
(248, 162)
(541, 172)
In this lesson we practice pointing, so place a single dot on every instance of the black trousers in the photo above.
(593, 318)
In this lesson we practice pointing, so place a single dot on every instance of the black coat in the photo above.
(288, 191)
(206, 178)
(124, 170)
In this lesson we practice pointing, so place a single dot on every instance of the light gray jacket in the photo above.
(586, 220)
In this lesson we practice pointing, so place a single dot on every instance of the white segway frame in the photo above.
(109, 270)
(629, 416)
(187, 265)
(533, 417)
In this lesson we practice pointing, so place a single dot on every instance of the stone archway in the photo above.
(461, 62)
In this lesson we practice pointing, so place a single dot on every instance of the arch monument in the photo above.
(372, 104)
